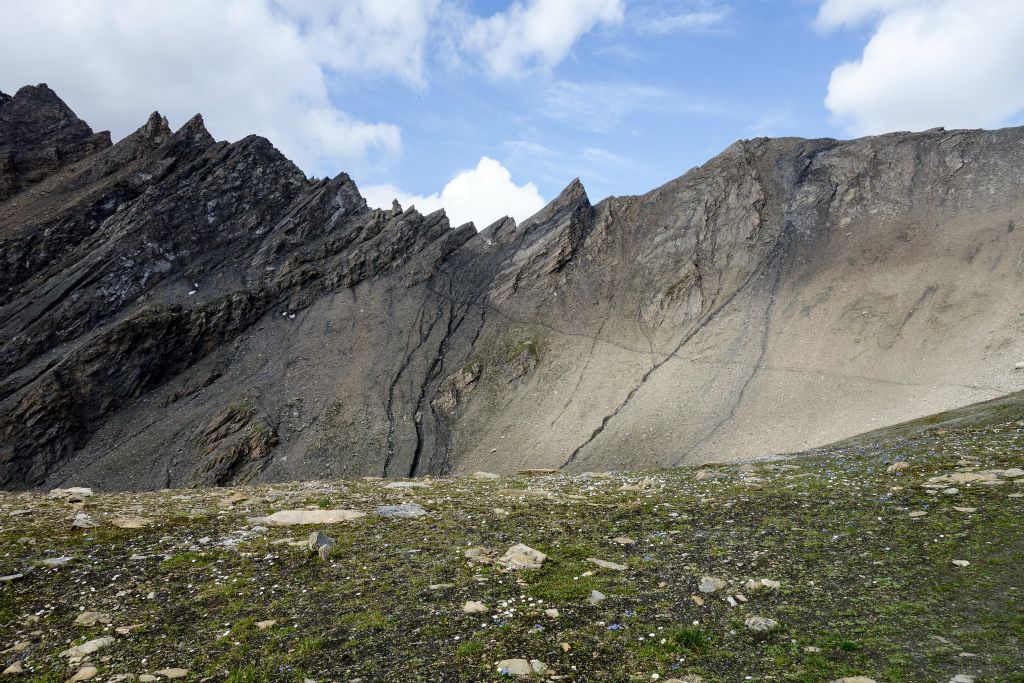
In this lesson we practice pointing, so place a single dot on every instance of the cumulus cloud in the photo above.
(536, 33)
(929, 63)
(249, 66)
(482, 195)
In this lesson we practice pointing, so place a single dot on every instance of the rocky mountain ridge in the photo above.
(177, 311)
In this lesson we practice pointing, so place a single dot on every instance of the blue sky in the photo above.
(638, 108)
(490, 108)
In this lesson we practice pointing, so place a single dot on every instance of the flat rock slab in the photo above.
(88, 647)
(130, 522)
(92, 618)
(407, 485)
(299, 517)
(404, 511)
(605, 564)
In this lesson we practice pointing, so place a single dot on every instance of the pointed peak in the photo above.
(568, 200)
(194, 130)
(156, 127)
(194, 125)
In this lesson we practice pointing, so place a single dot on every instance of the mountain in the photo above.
(177, 311)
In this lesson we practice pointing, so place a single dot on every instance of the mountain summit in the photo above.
(177, 311)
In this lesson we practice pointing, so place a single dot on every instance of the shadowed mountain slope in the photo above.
(180, 311)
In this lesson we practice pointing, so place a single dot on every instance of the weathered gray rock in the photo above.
(322, 544)
(521, 556)
(521, 667)
(403, 511)
(760, 624)
(711, 584)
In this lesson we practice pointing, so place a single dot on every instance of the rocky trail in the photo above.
(894, 557)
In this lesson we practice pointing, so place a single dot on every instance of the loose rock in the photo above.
(521, 556)
(710, 584)
(475, 607)
(760, 624)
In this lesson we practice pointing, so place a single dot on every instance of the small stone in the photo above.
(605, 564)
(56, 561)
(404, 511)
(265, 624)
(475, 607)
(810, 649)
(760, 624)
(596, 597)
(552, 612)
(962, 678)
(917, 513)
(172, 673)
(770, 585)
(147, 678)
(485, 475)
(521, 556)
(690, 678)
(9, 578)
(14, 669)
(623, 540)
(710, 584)
(951, 491)
(565, 647)
(961, 563)
(92, 618)
(854, 679)
(697, 600)
(440, 586)
(967, 510)
(84, 674)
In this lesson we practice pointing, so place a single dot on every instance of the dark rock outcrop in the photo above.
(180, 311)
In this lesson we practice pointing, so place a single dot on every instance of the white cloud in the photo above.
(929, 63)
(601, 107)
(482, 195)
(662, 18)
(249, 66)
(536, 33)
